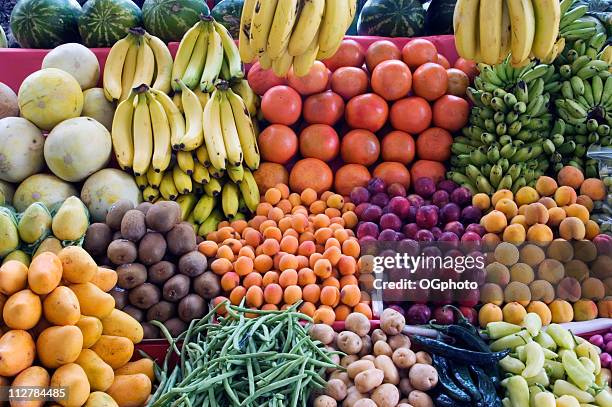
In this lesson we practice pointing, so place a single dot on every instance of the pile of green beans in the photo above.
(268, 361)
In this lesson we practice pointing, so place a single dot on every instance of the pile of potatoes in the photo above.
(161, 276)
(379, 369)
(61, 329)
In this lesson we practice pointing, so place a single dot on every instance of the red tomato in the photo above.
(360, 147)
(281, 105)
(392, 80)
(277, 144)
(368, 111)
(260, 80)
(349, 82)
(350, 53)
(451, 113)
(316, 81)
(325, 108)
(412, 115)
(319, 141)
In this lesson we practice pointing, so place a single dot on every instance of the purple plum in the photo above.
(372, 213)
(448, 237)
(418, 314)
(476, 228)
(416, 200)
(360, 208)
(455, 227)
(399, 206)
(424, 187)
(410, 230)
(427, 216)
(597, 340)
(381, 199)
(424, 235)
(461, 196)
(408, 246)
(432, 251)
(440, 198)
(608, 337)
(605, 359)
(366, 239)
(471, 214)
(376, 185)
(436, 232)
(471, 240)
(412, 214)
(447, 185)
(367, 229)
(396, 189)
(388, 235)
(359, 195)
(450, 212)
(390, 221)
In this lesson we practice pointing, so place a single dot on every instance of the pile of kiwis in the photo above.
(161, 274)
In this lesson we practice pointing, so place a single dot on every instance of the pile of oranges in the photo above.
(298, 247)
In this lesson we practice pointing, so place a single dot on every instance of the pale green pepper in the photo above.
(587, 405)
(534, 360)
(533, 323)
(604, 398)
(577, 373)
(588, 350)
(541, 378)
(563, 387)
(567, 401)
(512, 365)
(546, 341)
(499, 329)
(554, 369)
(586, 362)
(511, 341)
(533, 392)
(506, 402)
(518, 391)
(544, 399)
(548, 354)
(561, 336)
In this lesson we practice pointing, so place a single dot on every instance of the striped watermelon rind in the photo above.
(439, 18)
(228, 12)
(105, 22)
(170, 19)
(45, 23)
(3, 40)
(391, 18)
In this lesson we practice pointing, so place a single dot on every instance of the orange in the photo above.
(412, 115)
(319, 141)
(349, 54)
(278, 144)
(451, 113)
(434, 144)
(430, 81)
(392, 80)
(381, 51)
(281, 105)
(360, 147)
(350, 176)
(310, 172)
(418, 52)
(270, 174)
(392, 172)
(314, 82)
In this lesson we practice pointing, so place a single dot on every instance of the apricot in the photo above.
(517, 292)
(591, 229)
(585, 201)
(489, 313)
(542, 310)
(526, 195)
(565, 196)
(548, 202)
(570, 176)
(546, 186)
(593, 289)
(551, 270)
(542, 290)
(561, 311)
(514, 234)
(481, 201)
(555, 216)
(605, 308)
(577, 211)
(501, 194)
(506, 253)
(531, 255)
(494, 222)
(585, 310)
(540, 234)
(560, 249)
(536, 213)
(594, 188)
(602, 267)
(521, 272)
(572, 228)
(490, 240)
(491, 293)
(519, 220)
(608, 285)
(507, 207)
(514, 313)
(569, 289)
(584, 250)
(522, 209)
(497, 273)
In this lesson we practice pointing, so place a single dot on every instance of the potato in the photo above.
(100, 399)
(133, 226)
(322, 333)
(34, 376)
(73, 377)
(345, 361)
(13, 277)
(22, 310)
(403, 358)
(382, 348)
(45, 273)
(144, 366)
(78, 266)
(144, 207)
(94, 302)
(392, 322)
(343, 376)
(105, 279)
(118, 323)
(423, 377)
(379, 335)
(370, 358)
(384, 363)
(386, 395)
(130, 390)
(116, 212)
(162, 216)
(336, 389)
(99, 374)
(357, 323)
(97, 239)
(365, 403)
(359, 366)
(366, 346)
(58, 345)
(405, 386)
(420, 399)
(399, 341)
(352, 397)
(181, 239)
(368, 380)
(17, 351)
(423, 357)
(349, 342)
(131, 275)
(324, 401)
(114, 350)
(91, 328)
(61, 307)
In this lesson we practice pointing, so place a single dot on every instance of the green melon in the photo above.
(170, 19)
(228, 12)
(45, 23)
(439, 17)
(3, 41)
(105, 22)
(391, 18)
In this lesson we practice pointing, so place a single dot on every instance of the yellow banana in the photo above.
(247, 53)
(547, 17)
(213, 134)
(183, 54)
(213, 188)
(162, 150)
(167, 188)
(306, 27)
(490, 30)
(129, 70)
(557, 48)
(204, 208)
(200, 173)
(193, 72)
(523, 29)
(229, 199)
(211, 223)
(202, 155)
(123, 142)
(145, 65)
(154, 178)
(263, 15)
(187, 203)
(250, 98)
(193, 137)
(235, 173)
(506, 34)
(174, 115)
(246, 132)
(282, 64)
(214, 60)
(282, 26)
(163, 63)
(249, 191)
(265, 61)
(216, 172)
(184, 160)
(143, 136)
(114, 67)
(182, 181)
(203, 97)
(230, 51)
(141, 181)
(176, 99)
(302, 63)
(333, 25)
(230, 132)
(465, 23)
(150, 194)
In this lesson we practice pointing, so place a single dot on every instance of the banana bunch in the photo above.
(138, 59)
(594, 48)
(206, 52)
(507, 142)
(286, 33)
(489, 30)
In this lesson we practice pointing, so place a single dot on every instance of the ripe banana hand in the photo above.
(246, 132)
(214, 60)
(195, 67)
(145, 65)
(303, 62)
(230, 132)
(184, 159)
(506, 34)
(162, 150)
(282, 64)
(333, 26)
(114, 68)
(250, 98)
(249, 190)
(167, 189)
(193, 137)
(204, 208)
(523, 29)
(163, 63)
(282, 26)
(247, 52)
(547, 16)
(182, 181)
(261, 24)
(491, 12)
(154, 178)
(174, 115)
(129, 69)
(143, 136)
(229, 199)
(213, 133)
(465, 23)
(187, 204)
(202, 155)
(307, 27)
(123, 143)
(183, 54)
(230, 51)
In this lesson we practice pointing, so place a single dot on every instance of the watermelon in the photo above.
(104, 22)
(3, 40)
(228, 12)
(45, 23)
(439, 17)
(170, 19)
(391, 18)
(353, 28)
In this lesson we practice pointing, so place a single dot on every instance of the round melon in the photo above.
(105, 22)
(227, 12)
(8, 102)
(106, 187)
(76, 148)
(77, 60)
(45, 23)
(96, 106)
(21, 149)
(391, 18)
(50, 96)
(7, 191)
(3, 40)
(170, 19)
(44, 188)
